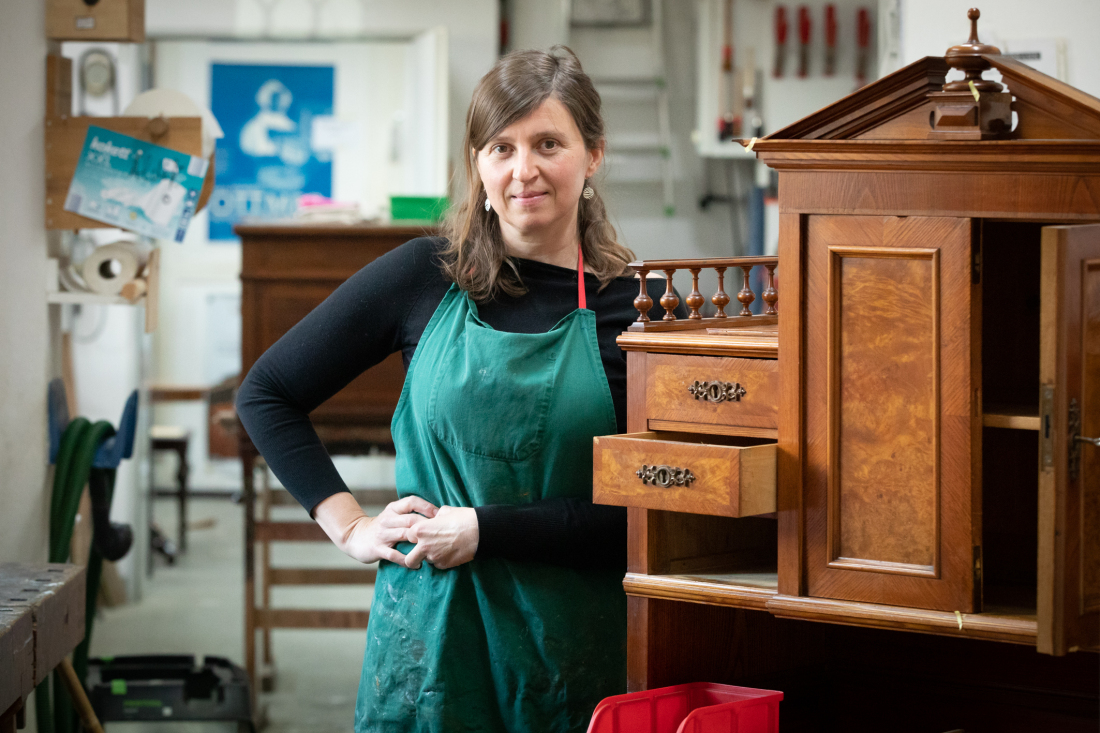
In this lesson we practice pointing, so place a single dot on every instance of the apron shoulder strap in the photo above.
(582, 301)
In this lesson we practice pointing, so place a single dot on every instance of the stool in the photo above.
(172, 438)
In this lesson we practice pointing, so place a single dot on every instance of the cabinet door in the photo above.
(892, 473)
(1069, 469)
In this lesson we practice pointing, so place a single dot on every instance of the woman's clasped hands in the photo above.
(446, 536)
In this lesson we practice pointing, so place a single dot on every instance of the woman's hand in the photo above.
(446, 541)
(370, 539)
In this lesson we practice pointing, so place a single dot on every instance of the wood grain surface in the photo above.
(52, 596)
(1069, 506)
(753, 343)
(1018, 629)
(670, 376)
(884, 404)
(730, 480)
(890, 496)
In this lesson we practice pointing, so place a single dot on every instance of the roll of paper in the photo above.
(111, 266)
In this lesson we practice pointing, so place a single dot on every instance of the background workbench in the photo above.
(41, 621)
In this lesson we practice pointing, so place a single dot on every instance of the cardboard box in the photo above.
(98, 20)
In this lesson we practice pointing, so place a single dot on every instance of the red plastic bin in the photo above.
(700, 707)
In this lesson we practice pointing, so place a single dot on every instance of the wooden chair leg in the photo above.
(248, 464)
(181, 477)
(267, 674)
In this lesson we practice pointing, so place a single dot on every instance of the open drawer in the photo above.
(728, 476)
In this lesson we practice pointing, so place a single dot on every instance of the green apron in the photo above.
(489, 417)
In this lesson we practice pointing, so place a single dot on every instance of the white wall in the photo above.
(25, 352)
(930, 27)
(472, 27)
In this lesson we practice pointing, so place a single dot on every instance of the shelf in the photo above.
(1002, 623)
(741, 590)
(65, 297)
(1013, 417)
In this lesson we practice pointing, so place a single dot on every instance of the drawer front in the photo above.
(712, 391)
(676, 472)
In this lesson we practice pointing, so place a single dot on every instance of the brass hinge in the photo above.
(1074, 445)
(977, 578)
(976, 261)
(1046, 426)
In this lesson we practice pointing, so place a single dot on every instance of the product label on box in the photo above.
(135, 185)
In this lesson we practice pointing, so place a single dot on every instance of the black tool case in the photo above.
(169, 688)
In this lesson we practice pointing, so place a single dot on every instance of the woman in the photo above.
(517, 619)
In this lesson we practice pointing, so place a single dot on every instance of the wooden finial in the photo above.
(745, 295)
(643, 302)
(968, 58)
(669, 300)
(720, 299)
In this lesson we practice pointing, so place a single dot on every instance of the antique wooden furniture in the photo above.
(287, 270)
(41, 622)
(938, 358)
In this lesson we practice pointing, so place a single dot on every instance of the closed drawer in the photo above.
(711, 393)
(684, 472)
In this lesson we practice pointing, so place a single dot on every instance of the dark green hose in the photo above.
(73, 467)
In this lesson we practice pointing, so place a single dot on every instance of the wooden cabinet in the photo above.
(937, 360)
(286, 271)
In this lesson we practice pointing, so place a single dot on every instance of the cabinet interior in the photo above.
(739, 551)
(1010, 319)
(1010, 404)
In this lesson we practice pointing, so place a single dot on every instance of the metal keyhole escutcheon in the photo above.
(665, 476)
(717, 392)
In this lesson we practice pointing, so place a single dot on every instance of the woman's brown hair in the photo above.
(475, 255)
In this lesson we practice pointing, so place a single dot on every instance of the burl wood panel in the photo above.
(730, 480)
(892, 361)
(884, 334)
(1069, 506)
(669, 377)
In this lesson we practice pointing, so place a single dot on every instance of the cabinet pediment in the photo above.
(916, 119)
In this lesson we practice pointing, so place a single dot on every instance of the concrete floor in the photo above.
(196, 607)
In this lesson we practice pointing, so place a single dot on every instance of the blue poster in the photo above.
(266, 159)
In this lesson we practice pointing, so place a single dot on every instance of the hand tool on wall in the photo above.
(804, 28)
(863, 36)
(750, 118)
(729, 122)
(780, 41)
(830, 39)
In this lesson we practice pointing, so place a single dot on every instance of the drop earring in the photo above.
(487, 204)
(588, 192)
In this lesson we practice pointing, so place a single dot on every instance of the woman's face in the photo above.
(534, 170)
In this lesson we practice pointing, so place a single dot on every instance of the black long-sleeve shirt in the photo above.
(384, 308)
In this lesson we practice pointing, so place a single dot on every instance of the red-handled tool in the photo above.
(863, 36)
(729, 121)
(780, 40)
(830, 39)
(804, 28)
